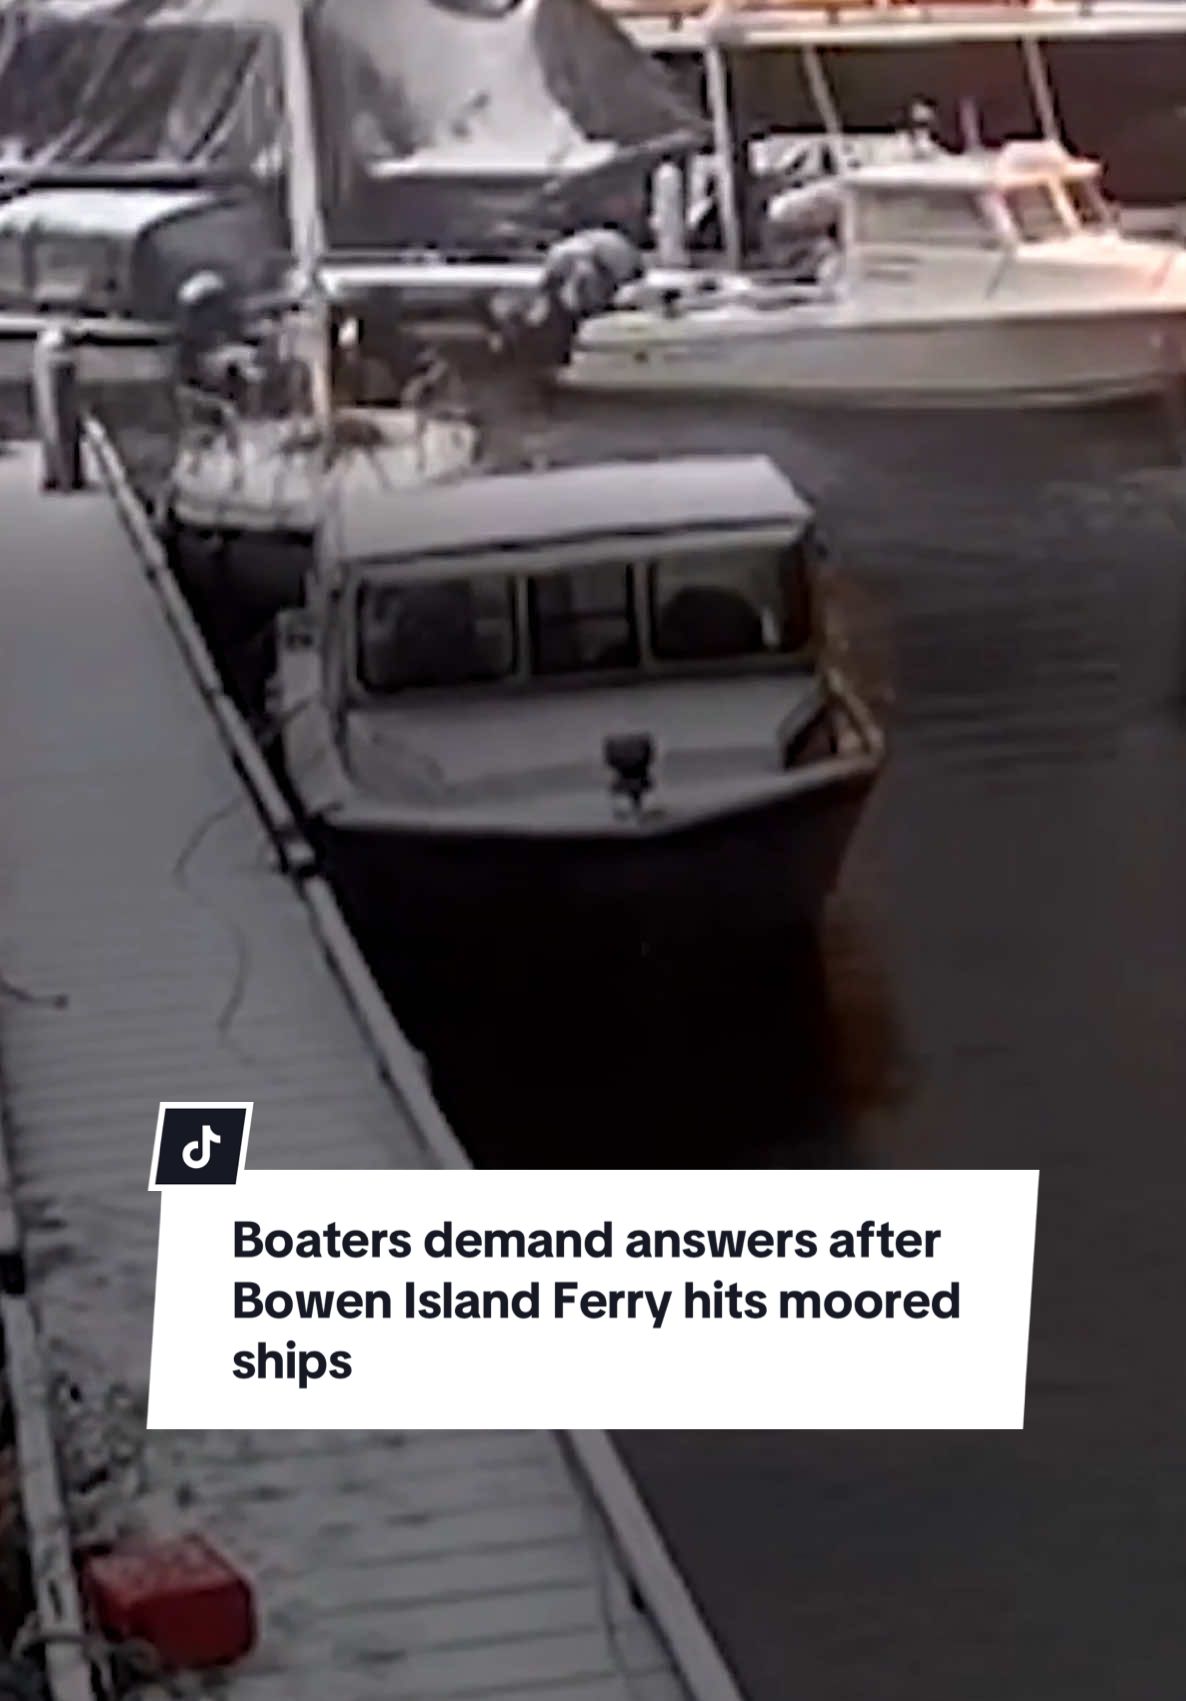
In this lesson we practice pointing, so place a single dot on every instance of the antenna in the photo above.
(717, 77)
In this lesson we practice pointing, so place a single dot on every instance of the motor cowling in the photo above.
(582, 276)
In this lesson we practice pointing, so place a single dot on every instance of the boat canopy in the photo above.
(612, 507)
(510, 102)
(129, 250)
(119, 213)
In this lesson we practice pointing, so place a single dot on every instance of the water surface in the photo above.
(1001, 981)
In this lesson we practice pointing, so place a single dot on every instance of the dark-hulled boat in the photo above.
(584, 698)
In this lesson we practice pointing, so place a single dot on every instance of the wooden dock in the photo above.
(153, 947)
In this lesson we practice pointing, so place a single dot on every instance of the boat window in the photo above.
(451, 632)
(583, 621)
(947, 219)
(739, 602)
(1090, 207)
(1036, 213)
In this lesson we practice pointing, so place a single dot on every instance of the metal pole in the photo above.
(305, 214)
(717, 77)
(58, 409)
(821, 94)
(1041, 88)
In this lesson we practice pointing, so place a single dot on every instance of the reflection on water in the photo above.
(730, 1057)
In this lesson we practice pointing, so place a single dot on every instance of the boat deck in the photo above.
(150, 948)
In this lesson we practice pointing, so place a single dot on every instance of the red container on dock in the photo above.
(182, 1597)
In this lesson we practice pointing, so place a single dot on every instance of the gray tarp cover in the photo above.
(488, 121)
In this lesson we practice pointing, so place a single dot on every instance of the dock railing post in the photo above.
(57, 408)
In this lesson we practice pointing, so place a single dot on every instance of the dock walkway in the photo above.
(150, 949)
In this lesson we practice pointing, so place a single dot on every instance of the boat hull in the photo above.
(767, 869)
(244, 575)
(1045, 361)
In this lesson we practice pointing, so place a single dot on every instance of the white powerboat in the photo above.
(989, 277)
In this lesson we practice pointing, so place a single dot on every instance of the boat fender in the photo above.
(669, 215)
(58, 408)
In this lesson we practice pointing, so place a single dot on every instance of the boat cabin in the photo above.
(608, 574)
(1009, 198)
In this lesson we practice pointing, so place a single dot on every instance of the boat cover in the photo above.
(500, 107)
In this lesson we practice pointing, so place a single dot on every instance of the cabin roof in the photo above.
(97, 212)
(1011, 167)
(613, 500)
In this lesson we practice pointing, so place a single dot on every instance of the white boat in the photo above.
(988, 277)
(241, 480)
(240, 509)
(589, 700)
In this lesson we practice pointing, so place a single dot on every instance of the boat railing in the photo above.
(678, 12)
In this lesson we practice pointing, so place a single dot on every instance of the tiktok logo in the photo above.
(197, 1155)
(199, 1144)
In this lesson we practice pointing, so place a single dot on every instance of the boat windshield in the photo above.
(583, 621)
(748, 600)
(941, 218)
(451, 632)
(1036, 213)
(741, 602)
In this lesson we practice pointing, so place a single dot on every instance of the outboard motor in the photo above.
(582, 277)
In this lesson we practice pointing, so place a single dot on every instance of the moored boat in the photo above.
(988, 277)
(588, 698)
(241, 506)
